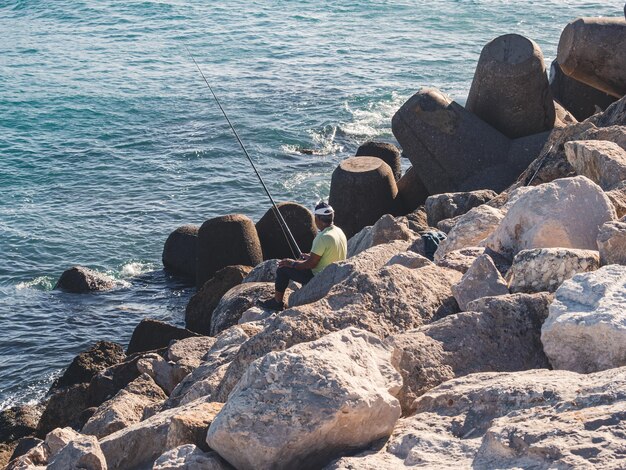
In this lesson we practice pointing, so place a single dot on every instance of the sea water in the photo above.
(109, 139)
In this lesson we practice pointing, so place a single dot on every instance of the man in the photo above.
(329, 245)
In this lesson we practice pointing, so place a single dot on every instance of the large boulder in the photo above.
(545, 269)
(448, 205)
(226, 241)
(482, 279)
(187, 353)
(510, 90)
(301, 225)
(502, 334)
(612, 242)
(17, 422)
(180, 251)
(189, 457)
(263, 272)
(236, 301)
(385, 230)
(461, 260)
(154, 334)
(387, 152)
(603, 162)
(82, 453)
(200, 307)
(586, 329)
(565, 213)
(614, 115)
(343, 383)
(79, 280)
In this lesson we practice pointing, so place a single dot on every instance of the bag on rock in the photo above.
(432, 239)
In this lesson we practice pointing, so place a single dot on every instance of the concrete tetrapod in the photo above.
(411, 191)
(273, 241)
(593, 51)
(362, 189)
(510, 90)
(179, 251)
(225, 241)
(388, 153)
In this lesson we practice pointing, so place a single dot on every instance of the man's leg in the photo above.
(283, 276)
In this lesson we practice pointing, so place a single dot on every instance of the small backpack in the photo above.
(432, 240)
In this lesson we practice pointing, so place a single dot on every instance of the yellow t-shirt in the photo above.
(331, 245)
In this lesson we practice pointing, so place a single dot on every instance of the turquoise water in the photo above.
(109, 141)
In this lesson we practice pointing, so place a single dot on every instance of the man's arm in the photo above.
(309, 263)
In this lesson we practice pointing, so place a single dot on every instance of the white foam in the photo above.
(40, 283)
(372, 121)
(134, 268)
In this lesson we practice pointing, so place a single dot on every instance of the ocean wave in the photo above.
(373, 120)
(40, 283)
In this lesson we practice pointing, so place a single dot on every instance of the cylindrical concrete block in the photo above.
(226, 241)
(593, 51)
(179, 251)
(388, 153)
(362, 189)
(510, 90)
(577, 97)
(411, 191)
(273, 240)
(451, 149)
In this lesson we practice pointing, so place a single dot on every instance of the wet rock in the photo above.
(344, 383)
(387, 152)
(300, 222)
(236, 301)
(602, 162)
(79, 279)
(228, 240)
(150, 334)
(18, 421)
(585, 331)
(125, 408)
(82, 453)
(264, 272)
(412, 193)
(482, 279)
(361, 191)
(470, 230)
(545, 269)
(200, 307)
(461, 260)
(510, 90)
(180, 251)
(565, 213)
(612, 242)
(189, 457)
(385, 230)
(448, 205)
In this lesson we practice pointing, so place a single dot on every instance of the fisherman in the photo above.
(330, 245)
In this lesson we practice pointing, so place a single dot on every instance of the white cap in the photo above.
(327, 210)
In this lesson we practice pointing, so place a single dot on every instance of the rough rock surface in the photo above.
(482, 279)
(236, 301)
(586, 329)
(601, 161)
(82, 453)
(263, 272)
(162, 372)
(470, 229)
(449, 205)
(545, 269)
(200, 307)
(501, 334)
(534, 419)
(617, 196)
(189, 457)
(125, 408)
(409, 259)
(368, 260)
(79, 279)
(385, 230)
(344, 384)
(150, 334)
(18, 421)
(612, 242)
(461, 260)
(565, 213)
(180, 251)
(65, 408)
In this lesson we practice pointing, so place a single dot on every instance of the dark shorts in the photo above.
(285, 274)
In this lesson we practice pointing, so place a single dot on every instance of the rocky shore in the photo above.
(505, 348)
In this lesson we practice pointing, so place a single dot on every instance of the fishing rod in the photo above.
(291, 241)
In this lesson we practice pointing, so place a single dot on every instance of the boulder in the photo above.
(150, 334)
(461, 260)
(411, 191)
(301, 224)
(82, 453)
(79, 280)
(602, 162)
(343, 383)
(188, 353)
(192, 426)
(65, 408)
(448, 205)
(263, 272)
(593, 51)
(545, 269)
(125, 408)
(385, 230)
(226, 241)
(88, 363)
(586, 329)
(565, 213)
(181, 250)
(612, 242)
(614, 115)
(579, 98)
(501, 335)
(470, 230)
(189, 457)
(368, 260)
(530, 419)
(107, 383)
(236, 301)
(362, 189)
(418, 220)
(17, 422)
(482, 279)
(142, 443)
(254, 314)
(162, 372)
(409, 259)
(617, 196)
(201, 305)
(510, 90)
(387, 152)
